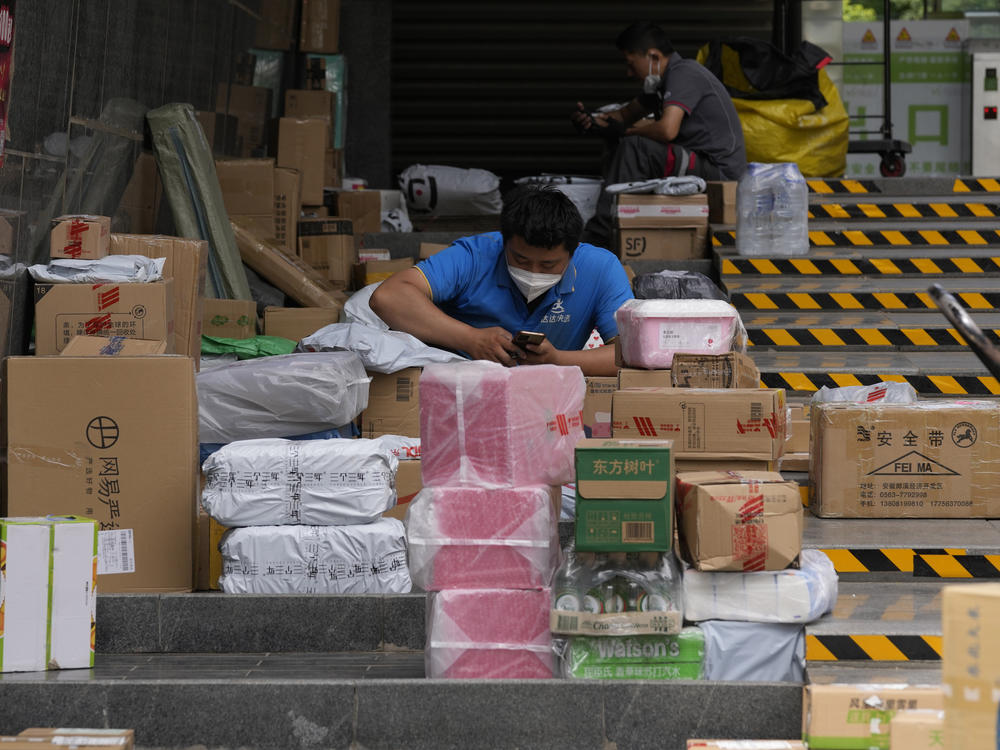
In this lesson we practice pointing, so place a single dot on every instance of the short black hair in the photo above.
(643, 36)
(542, 215)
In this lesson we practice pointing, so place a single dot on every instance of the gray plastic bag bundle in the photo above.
(753, 651)
(113, 269)
(449, 191)
(380, 350)
(187, 169)
(291, 394)
(273, 482)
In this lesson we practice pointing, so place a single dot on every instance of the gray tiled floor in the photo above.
(884, 609)
(236, 667)
(909, 533)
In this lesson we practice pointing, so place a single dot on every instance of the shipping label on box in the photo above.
(327, 244)
(841, 716)
(295, 323)
(135, 311)
(732, 370)
(624, 495)
(705, 423)
(918, 730)
(302, 146)
(114, 440)
(741, 521)
(932, 459)
(393, 404)
(678, 243)
(970, 664)
(80, 237)
(247, 186)
(630, 378)
(597, 406)
(230, 318)
(661, 211)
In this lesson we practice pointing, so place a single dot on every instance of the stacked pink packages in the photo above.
(467, 537)
(653, 330)
(489, 633)
(486, 425)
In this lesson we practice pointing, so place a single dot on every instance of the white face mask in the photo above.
(651, 81)
(533, 285)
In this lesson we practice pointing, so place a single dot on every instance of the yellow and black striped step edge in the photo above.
(883, 560)
(857, 300)
(866, 337)
(925, 385)
(858, 266)
(956, 566)
(863, 211)
(828, 187)
(884, 237)
(980, 185)
(873, 647)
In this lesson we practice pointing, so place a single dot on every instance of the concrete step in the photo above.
(295, 703)
(951, 236)
(855, 262)
(955, 207)
(841, 188)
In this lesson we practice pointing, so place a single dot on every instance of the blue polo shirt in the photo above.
(469, 281)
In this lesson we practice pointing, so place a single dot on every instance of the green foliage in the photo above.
(871, 10)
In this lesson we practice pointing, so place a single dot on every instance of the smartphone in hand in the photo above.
(523, 338)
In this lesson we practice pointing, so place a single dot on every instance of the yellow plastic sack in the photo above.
(783, 130)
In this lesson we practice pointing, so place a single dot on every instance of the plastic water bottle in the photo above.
(790, 220)
(772, 201)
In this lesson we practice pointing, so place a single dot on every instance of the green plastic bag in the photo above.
(258, 346)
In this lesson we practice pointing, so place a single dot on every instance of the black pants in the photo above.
(637, 158)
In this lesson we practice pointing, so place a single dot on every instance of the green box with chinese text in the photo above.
(624, 495)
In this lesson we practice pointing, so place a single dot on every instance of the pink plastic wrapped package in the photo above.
(468, 537)
(489, 633)
(486, 425)
(653, 330)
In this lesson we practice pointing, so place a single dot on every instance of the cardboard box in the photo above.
(705, 423)
(721, 202)
(121, 739)
(363, 208)
(838, 716)
(116, 346)
(221, 132)
(408, 484)
(630, 378)
(794, 462)
(679, 243)
(427, 249)
(917, 730)
(80, 237)
(320, 30)
(661, 211)
(372, 271)
(247, 186)
(17, 312)
(797, 439)
(141, 200)
(288, 273)
(393, 404)
(624, 495)
(366, 254)
(252, 106)
(694, 464)
(287, 201)
(316, 104)
(732, 370)
(135, 311)
(302, 146)
(258, 226)
(745, 745)
(130, 427)
(743, 521)
(295, 323)
(333, 168)
(933, 459)
(230, 318)
(970, 664)
(276, 27)
(597, 406)
(49, 604)
(186, 265)
(328, 246)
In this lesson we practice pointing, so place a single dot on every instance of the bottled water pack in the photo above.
(772, 201)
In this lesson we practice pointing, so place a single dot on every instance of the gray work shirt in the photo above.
(710, 125)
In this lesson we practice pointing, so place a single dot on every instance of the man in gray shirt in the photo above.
(694, 129)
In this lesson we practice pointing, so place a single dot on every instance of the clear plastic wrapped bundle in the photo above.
(272, 482)
(653, 330)
(783, 596)
(468, 537)
(617, 593)
(772, 204)
(380, 350)
(640, 657)
(368, 558)
(486, 425)
(291, 394)
(489, 633)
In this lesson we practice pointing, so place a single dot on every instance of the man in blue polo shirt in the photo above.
(533, 275)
